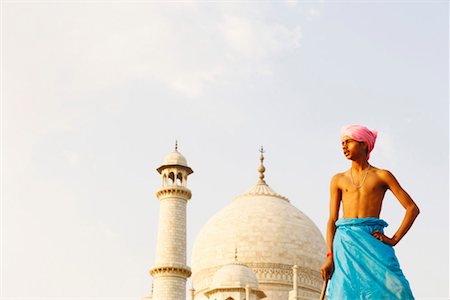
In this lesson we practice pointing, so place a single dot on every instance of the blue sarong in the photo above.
(365, 267)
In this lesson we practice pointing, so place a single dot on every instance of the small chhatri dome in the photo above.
(234, 275)
(175, 158)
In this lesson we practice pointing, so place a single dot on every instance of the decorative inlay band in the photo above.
(259, 293)
(174, 191)
(171, 270)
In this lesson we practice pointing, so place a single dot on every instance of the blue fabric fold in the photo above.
(365, 268)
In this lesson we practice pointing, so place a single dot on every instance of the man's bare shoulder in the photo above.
(338, 177)
(383, 173)
(383, 177)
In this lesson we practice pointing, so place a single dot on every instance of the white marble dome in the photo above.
(271, 236)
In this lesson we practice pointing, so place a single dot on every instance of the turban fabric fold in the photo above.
(361, 134)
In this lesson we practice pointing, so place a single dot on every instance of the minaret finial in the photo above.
(261, 168)
(235, 254)
(176, 145)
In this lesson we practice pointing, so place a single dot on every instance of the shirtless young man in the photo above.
(361, 262)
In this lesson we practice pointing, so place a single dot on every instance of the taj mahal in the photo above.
(259, 246)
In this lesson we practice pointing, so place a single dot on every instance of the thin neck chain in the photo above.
(363, 180)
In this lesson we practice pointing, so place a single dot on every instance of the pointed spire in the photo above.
(261, 168)
(261, 188)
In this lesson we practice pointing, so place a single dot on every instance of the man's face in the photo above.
(350, 147)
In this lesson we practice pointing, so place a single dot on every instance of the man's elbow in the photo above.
(332, 222)
(414, 209)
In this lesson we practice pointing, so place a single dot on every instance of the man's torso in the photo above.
(362, 194)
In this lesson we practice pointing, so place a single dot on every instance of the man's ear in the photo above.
(365, 146)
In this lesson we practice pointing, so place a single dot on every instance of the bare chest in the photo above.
(371, 190)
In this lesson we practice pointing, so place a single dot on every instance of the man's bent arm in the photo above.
(412, 211)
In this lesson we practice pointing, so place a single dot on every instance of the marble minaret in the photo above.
(170, 271)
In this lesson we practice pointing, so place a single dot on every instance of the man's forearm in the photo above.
(331, 230)
(410, 215)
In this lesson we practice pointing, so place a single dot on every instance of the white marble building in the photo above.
(278, 249)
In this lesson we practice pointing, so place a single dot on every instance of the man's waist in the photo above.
(342, 222)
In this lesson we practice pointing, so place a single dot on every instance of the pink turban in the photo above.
(361, 134)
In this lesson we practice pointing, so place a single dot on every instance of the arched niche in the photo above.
(171, 178)
(179, 180)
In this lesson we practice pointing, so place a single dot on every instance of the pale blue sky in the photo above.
(94, 95)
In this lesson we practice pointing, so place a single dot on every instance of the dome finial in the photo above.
(261, 168)
(235, 254)
(176, 145)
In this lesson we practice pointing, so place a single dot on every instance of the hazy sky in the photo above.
(94, 95)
